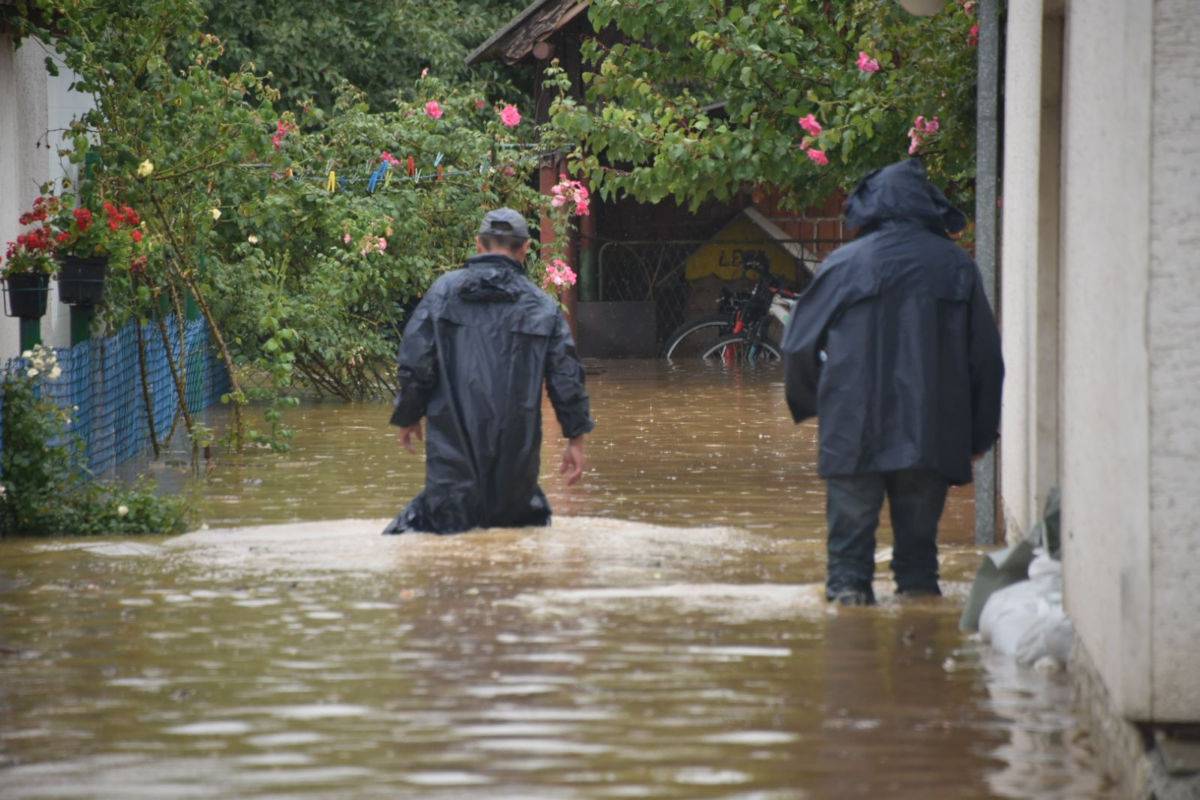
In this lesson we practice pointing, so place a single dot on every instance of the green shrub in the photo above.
(43, 488)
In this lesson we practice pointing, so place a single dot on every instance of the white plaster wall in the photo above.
(1174, 344)
(62, 106)
(34, 108)
(1105, 447)
(22, 167)
(1019, 252)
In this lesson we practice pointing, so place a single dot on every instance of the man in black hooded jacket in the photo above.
(895, 349)
(475, 355)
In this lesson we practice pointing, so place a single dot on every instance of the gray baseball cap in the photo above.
(504, 222)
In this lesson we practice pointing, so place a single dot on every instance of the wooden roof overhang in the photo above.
(536, 22)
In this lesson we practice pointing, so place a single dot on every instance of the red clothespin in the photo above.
(412, 166)
(441, 173)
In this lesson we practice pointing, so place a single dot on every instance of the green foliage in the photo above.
(702, 99)
(330, 273)
(299, 284)
(45, 491)
(310, 48)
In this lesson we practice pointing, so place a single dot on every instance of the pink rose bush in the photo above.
(921, 131)
(510, 116)
(282, 129)
(866, 63)
(813, 128)
(560, 274)
(817, 156)
(568, 191)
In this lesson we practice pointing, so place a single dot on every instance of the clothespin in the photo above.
(412, 166)
(373, 181)
(438, 160)
(387, 177)
(441, 173)
(331, 184)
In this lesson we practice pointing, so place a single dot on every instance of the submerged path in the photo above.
(667, 637)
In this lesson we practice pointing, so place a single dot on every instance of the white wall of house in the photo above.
(1100, 278)
(34, 109)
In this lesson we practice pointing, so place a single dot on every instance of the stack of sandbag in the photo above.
(1027, 620)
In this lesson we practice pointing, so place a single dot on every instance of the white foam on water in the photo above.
(222, 727)
(445, 778)
(318, 711)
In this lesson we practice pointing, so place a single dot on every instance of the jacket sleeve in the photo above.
(565, 383)
(802, 342)
(417, 367)
(986, 365)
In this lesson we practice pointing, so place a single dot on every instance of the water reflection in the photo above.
(608, 656)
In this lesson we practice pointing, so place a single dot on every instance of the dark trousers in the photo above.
(916, 497)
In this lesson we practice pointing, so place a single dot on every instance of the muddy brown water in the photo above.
(666, 638)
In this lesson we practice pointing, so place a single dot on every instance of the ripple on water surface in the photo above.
(607, 656)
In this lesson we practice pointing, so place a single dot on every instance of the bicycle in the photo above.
(740, 330)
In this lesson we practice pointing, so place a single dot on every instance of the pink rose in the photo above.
(582, 208)
(480, 105)
(973, 36)
(817, 157)
(559, 273)
(346, 238)
(433, 109)
(866, 63)
(381, 245)
(510, 116)
(810, 125)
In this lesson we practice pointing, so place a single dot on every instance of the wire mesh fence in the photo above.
(116, 388)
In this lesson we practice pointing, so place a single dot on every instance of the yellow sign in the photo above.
(724, 254)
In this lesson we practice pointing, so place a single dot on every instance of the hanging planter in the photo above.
(25, 295)
(81, 280)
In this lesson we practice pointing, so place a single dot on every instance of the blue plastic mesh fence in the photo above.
(101, 383)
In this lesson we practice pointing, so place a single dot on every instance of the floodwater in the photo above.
(667, 637)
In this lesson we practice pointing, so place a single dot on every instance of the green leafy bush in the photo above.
(43, 487)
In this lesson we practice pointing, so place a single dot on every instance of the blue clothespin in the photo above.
(376, 176)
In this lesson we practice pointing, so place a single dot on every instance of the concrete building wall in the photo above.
(1101, 327)
(1105, 366)
(1173, 325)
(23, 166)
(34, 110)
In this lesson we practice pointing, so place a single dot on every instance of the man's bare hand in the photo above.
(573, 461)
(408, 435)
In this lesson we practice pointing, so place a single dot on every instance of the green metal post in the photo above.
(81, 323)
(31, 334)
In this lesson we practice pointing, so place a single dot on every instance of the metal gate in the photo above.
(653, 271)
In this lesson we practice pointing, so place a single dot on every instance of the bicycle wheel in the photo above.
(695, 336)
(741, 350)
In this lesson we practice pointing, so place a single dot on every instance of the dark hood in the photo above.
(492, 278)
(901, 191)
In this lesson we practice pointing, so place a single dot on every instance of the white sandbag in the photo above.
(1026, 620)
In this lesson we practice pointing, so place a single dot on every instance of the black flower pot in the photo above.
(81, 280)
(25, 295)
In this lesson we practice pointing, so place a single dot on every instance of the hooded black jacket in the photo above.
(894, 346)
(473, 360)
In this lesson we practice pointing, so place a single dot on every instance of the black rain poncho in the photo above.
(894, 346)
(472, 362)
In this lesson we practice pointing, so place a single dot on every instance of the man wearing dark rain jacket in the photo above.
(895, 349)
(474, 358)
